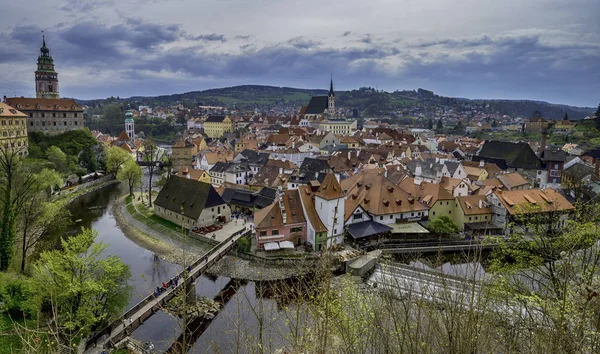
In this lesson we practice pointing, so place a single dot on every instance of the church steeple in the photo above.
(46, 78)
(331, 99)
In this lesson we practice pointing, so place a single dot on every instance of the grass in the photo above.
(146, 215)
(9, 341)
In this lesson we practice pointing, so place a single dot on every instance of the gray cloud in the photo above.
(559, 63)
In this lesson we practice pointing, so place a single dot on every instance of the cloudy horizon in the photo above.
(546, 50)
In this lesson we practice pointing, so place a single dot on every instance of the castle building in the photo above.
(13, 130)
(48, 113)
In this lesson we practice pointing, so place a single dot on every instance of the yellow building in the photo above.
(182, 153)
(472, 212)
(440, 201)
(13, 130)
(338, 127)
(216, 126)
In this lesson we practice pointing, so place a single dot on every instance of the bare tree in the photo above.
(151, 155)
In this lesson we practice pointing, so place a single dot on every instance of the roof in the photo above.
(470, 204)
(220, 167)
(187, 196)
(269, 216)
(452, 166)
(367, 228)
(427, 193)
(214, 119)
(517, 201)
(44, 104)
(192, 173)
(317, 105)
(377, 195)
(7, 111)
(508, 155)
(512, 180)
(308, 203)
(247, 198)
(553, 155)
(330, 188)
(314, 165)
(293, 207)
(578, 171)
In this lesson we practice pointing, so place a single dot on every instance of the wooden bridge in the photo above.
(138, 314)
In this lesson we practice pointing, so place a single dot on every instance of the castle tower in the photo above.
(129, 125)
(331, 99)
(46, 78)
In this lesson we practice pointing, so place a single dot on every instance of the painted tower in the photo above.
(129, 125)
(46, 78)
(331, 99)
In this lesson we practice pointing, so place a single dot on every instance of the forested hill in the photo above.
(368, 101)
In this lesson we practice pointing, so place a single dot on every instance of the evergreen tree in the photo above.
(430, 124)
(439, 125)
(566, 116)
(598, 111)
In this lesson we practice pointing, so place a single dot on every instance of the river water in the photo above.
(236, 322)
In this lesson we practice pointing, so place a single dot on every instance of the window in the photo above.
(43, 115)
(433, 213)
(274, 232)
(65, 122)
(357, 216)
(391, 217)
(296, 229)
(449, 211)
(263, 233)
(54, 123)
(470, 218)
(381, 217)
(486, 217)
(75, 123)
(556, 166)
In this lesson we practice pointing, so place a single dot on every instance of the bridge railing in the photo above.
(117, 322)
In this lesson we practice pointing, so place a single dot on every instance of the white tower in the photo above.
(329, 204)
(129, 126)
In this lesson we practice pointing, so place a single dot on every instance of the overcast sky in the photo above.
(532, 49)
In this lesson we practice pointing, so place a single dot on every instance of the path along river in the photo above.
(237, 322)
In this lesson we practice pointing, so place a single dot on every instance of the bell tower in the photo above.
(331, 99)
(46, 78)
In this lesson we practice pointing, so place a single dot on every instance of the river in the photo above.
(236, 322)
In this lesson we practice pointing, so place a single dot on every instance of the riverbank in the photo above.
(171, 251)
(70, 197)
(164, 249)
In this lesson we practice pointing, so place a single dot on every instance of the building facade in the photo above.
(216, 126)
(13, 130)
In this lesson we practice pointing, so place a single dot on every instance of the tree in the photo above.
(443, 226)
(16, 186)
(598, 111)
(131, 173)
(39, 217)
(58, 158)
(83, 288)
(151, 157)
(115, 158)
(439, 125)
(494, 124)
(566, 116)
(430, 123)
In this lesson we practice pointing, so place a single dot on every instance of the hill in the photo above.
(368, 101)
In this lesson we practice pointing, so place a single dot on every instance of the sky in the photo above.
(517, 49)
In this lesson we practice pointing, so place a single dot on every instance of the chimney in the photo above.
(418, 171)
(349, 154)
(385, 172)
(543, 142)
(280, 170)
(480, 203)
(481, 163)
(398, 168)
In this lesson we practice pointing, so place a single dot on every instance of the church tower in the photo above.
(331, 99)
(46, 78)
(129, 125)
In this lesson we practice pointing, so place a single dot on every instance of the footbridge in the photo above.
(109, 336)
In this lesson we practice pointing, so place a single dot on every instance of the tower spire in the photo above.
(331, 87)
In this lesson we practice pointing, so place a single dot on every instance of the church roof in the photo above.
(317, 105)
